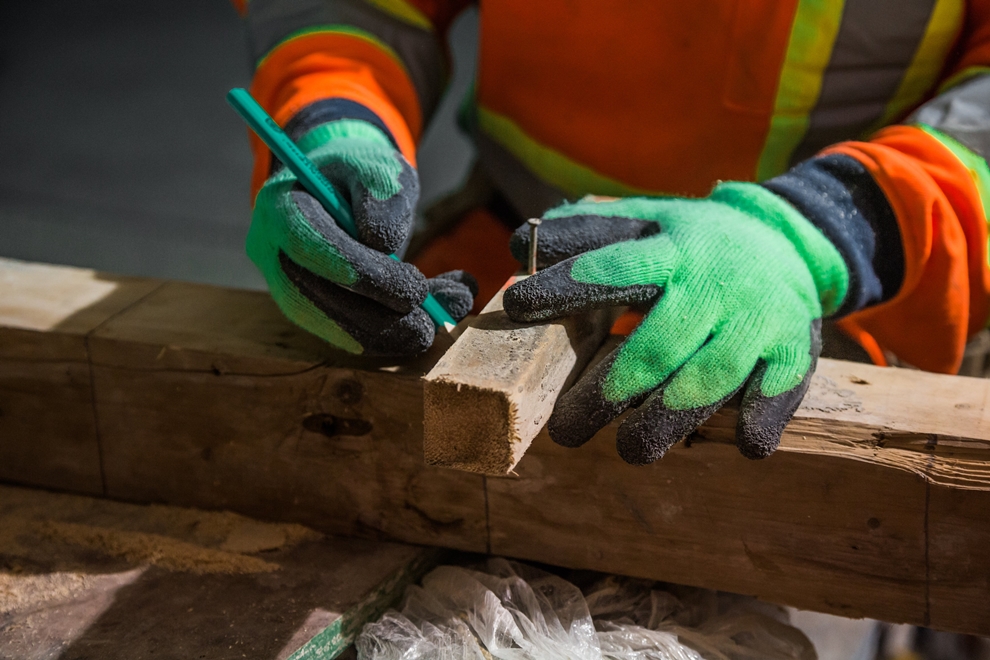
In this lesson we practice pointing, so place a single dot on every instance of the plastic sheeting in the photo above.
(510, 611)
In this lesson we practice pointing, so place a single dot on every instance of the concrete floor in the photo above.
(118, 151)
(90, 578)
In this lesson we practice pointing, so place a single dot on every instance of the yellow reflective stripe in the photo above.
(940, 34)
(962, 76)
(975, 164)
(346, 30)
(548, 164)
(403, 11)
(813, 33)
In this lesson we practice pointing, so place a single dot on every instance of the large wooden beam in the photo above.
(875, 504)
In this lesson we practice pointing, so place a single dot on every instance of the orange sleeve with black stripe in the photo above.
(341, 61)
(933, 184)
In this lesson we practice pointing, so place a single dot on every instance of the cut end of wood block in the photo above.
(470, 428)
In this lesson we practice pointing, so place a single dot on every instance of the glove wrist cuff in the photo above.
(825, 263)
(347, 129)
(839, 196)
(326, 111)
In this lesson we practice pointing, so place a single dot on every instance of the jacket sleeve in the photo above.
(383, 61)
(933, 171)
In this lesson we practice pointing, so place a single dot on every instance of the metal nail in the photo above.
(534, 224)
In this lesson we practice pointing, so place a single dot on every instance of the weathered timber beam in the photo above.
(492, 391)
(876, 503)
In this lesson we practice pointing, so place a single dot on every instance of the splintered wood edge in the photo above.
(470, 428)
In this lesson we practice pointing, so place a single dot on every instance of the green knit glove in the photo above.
(349, 292)
(738, 284)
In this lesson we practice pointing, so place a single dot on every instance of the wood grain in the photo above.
(46, 314)
(876, 503)
(209, 397)
(493, 391)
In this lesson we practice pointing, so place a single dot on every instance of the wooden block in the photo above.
(46, 313)
(492, 392)
(96, 578)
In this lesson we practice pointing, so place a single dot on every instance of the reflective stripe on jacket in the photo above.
(668, 97)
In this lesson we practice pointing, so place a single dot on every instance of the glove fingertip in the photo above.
(653, 429)
(521, 301)
(549, 294)
(462, 277)
(456, 291)
(409, 336)
(756, 442)
(762, 419)
(584, 410)
(637, 445)
(402, 293)
(569, 429)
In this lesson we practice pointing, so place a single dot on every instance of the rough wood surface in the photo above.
(209, 397)
(46, 315)
(492, 392)
(876, 503)
(86, 578)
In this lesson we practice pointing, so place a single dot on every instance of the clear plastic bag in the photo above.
(511, 611)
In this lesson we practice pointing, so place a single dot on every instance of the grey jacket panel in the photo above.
(870, 56)
(271, 21)
(962, 112)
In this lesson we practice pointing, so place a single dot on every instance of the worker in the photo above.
(776, 163)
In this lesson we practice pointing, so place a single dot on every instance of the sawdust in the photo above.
(51, 530)
(22, 593)
(155, 550)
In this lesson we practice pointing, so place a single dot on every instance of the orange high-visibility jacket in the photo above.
(668, 97)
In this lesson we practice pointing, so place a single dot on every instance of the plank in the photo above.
(96, 578)
(493, 391)
(874, 505)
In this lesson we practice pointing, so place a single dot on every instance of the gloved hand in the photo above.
(738, 283)
(349, 292)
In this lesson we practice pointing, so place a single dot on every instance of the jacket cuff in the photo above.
(839, 196)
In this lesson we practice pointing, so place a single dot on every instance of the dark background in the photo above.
(118, 150)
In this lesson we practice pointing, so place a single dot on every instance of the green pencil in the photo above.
(313, 180)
